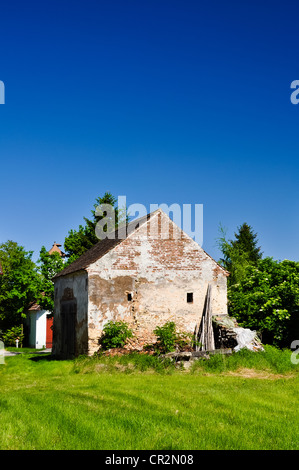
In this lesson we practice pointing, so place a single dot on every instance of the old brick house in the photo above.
(157, 273)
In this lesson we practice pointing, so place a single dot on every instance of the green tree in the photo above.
(267, 299)
(246, 242)
(20, 284)
(49, 265)
(239, 253)
(79, 241)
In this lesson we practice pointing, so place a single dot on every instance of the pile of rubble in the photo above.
(228, 337)
(228, 334)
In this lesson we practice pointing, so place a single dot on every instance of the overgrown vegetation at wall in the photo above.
(271, 360)
(169, 339)
(115, 335)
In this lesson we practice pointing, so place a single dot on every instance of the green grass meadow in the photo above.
(239, 402)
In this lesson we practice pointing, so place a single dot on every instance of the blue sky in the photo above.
(163, 101)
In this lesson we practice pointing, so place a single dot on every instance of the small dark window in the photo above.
(189, 297)
(129, 295)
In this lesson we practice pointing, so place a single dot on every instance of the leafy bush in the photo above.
(9, 337)
(166, 336)
(168, 339)
(115, 334)
(267, 300)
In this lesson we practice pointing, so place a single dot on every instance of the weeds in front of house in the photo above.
(271, 359)
(169, 339)
(128, 363)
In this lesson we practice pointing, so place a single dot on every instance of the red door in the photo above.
(49, 332)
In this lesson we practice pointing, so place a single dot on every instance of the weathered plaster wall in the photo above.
(75, 286)
(158, 265)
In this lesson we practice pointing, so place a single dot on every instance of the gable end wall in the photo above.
(158, 272)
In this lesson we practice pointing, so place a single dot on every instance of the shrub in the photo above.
(115, 334)
(267, 300)
(166, 336)
(168, 339)
(9, 337)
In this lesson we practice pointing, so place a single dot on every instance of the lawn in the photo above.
(246, 401)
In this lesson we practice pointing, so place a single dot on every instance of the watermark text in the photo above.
(187, 219)
(2, 92)
(294, 96)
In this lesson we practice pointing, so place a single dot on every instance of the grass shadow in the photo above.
(44, 357)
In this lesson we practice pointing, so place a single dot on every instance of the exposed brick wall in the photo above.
(158, 264)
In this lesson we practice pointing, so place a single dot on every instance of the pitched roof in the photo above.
(34, 307)
(55, 249)
(102, 247)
